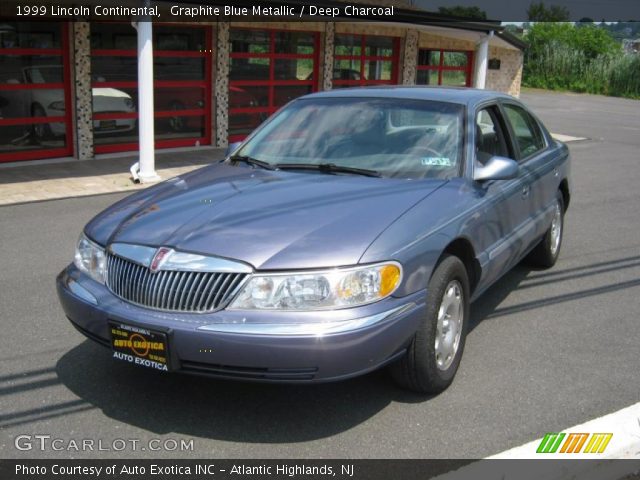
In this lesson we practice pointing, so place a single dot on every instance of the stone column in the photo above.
(410, 57)
(327, 64)
(221, 88)
(82, 84)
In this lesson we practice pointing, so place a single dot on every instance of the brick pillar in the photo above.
(410, 57)
(514, 89)
(221, 88)
(83, 94)
(327, 64)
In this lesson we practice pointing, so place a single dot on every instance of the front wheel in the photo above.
(546, 253)
(432, 359)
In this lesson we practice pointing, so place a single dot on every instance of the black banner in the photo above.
(404, 11)
(318, 469)
(226, 469)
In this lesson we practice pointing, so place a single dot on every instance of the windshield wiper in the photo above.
(252, 161)
(328, 168)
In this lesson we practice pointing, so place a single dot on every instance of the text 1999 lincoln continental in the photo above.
(350, 231)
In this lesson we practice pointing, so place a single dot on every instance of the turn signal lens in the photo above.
(389, 279)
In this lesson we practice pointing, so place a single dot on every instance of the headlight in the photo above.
(325, 290)
(90, 258)
(128, 103)
(57, 106)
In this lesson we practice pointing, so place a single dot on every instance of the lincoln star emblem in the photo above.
(161, 256)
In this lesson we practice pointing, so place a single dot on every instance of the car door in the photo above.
(505, 210)
(536, 167)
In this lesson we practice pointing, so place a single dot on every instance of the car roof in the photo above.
(461, 95)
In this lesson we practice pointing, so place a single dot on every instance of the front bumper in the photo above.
(250, 345)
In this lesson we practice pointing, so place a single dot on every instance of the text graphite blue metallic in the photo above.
(351, 230)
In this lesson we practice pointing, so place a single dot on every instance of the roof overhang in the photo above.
(449, 31)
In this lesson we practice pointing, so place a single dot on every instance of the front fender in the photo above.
(419, 237)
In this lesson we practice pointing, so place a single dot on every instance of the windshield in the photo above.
(395, 137)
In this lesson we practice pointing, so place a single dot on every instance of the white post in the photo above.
(147, 172)
(482, 58)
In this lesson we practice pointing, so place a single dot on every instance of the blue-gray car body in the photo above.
(287, 220)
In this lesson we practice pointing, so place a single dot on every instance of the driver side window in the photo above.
(489, 139)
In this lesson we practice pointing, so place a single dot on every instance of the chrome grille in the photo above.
(171, 290)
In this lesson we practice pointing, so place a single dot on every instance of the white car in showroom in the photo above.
(50, 103)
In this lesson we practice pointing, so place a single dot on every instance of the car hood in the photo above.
(110, 100)
(269, 219)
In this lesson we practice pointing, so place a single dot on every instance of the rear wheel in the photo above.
(546, 253)
(432, 359)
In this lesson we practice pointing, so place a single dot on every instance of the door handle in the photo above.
(525, 191)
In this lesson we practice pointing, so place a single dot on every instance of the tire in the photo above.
(546, 253)
(424, 369)
(41, 131)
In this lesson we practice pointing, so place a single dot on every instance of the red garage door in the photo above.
(268, 68)
(444, 67)
(35, 107)
(182, 86)
(365, 60)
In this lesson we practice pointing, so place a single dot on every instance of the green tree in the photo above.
(593, 41)
(588, 39)
(464, 12)
(538, 12)
(584, 58)
(539, 35)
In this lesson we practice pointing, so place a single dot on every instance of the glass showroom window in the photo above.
(182, 86)
(268, 68)
(35, 108)
(365, 60)
(444, 67)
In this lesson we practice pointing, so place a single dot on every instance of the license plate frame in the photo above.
(141, 346)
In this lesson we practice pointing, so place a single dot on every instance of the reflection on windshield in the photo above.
(396, 137)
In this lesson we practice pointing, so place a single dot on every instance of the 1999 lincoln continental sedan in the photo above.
(350, 231)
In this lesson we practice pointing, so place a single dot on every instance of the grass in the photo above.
(559, 67)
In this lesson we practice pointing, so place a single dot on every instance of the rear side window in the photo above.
(527, 133)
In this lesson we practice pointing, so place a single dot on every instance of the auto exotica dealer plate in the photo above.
(148, 348)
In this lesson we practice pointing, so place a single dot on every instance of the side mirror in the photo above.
(497, 168)
(232, 148)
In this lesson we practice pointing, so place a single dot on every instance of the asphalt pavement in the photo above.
(548, 349)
